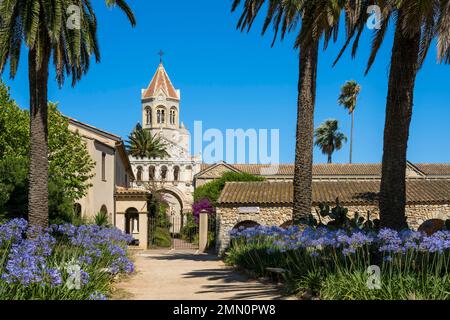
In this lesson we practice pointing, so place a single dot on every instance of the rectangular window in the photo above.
(103, 166)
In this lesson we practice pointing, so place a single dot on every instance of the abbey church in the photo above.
(122, 184)
(173, 175)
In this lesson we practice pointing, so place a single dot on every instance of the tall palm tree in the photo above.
(348, 98)
(417, 24)
(142, 144)
(329, 139)
(46, 28)
(317, 19)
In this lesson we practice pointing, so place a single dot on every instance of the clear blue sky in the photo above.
(230, 79)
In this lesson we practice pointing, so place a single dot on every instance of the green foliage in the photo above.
(190, 229)
(339, 219)
(159, 235)
(327, 273)
(68, 157)
(254, 256)
(14, 126)
(70, 163)
(38, 26)
(212, 190)
(142, 144)
(101, 219)
(447, 224)
(13, 186)
(349, 95)
(329, 138)
(353, 286)
(162, 238)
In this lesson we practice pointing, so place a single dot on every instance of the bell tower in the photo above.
(160, 103)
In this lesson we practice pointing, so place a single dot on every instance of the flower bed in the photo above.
(62, 262)
(334, 264)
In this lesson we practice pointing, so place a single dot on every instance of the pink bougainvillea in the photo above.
(202, 205)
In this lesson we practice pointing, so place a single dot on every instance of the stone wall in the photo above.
(229, 217)
(416, 214)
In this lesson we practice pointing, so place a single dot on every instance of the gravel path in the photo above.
(184, 275)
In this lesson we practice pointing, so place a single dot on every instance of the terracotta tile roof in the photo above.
(369, 170)
(161, 81)
(434, 169)
(362, 169)
(419, 191)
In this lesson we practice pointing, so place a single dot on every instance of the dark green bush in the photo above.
(162, 238)
(212, 190)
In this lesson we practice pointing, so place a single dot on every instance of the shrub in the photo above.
(61, 262)
(101, 219)
(162, 238)
(333, 263)
(203, 205)
(190, 228)
(212, 190)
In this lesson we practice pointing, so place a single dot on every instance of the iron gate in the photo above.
(174, 232)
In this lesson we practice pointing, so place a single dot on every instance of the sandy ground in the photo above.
(184, 275)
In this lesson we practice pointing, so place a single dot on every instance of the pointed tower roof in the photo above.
(161, 81)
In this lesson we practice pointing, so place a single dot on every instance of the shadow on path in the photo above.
(181, 275)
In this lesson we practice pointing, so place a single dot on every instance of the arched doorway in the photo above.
(286, 225)
(174, 207)
(132, 222)
(104, 212)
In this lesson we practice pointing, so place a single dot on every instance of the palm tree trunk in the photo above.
(305, 131)
(399, 105)
(330, 159)
(38, 188)
(351, 137)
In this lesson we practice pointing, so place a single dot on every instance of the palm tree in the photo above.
(348, 98)
(317, 19)
(142, 144)
(44, 28)
(329, 139)
(417, 24)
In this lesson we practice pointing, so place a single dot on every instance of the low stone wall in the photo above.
(229, 217)
(416, 214)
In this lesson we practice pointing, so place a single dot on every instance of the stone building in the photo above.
(172, 177)
(112, 169)
(357, 187)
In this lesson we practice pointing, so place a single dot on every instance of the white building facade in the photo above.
(172, 176)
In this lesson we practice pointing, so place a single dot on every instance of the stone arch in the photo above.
(173, 115)
(176, 194)
(287, 224)
(246, 224)
(161, 115)
(148, 116)
(163, 172)
(151, 173)
(104, 210)
(132, 221)
(176, 173)
(139, 173)
(176, 207)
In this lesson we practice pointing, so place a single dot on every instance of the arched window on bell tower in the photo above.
(148, 116)
(160, 116)
(173, 116)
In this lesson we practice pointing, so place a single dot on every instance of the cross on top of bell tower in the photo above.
(161, 54)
